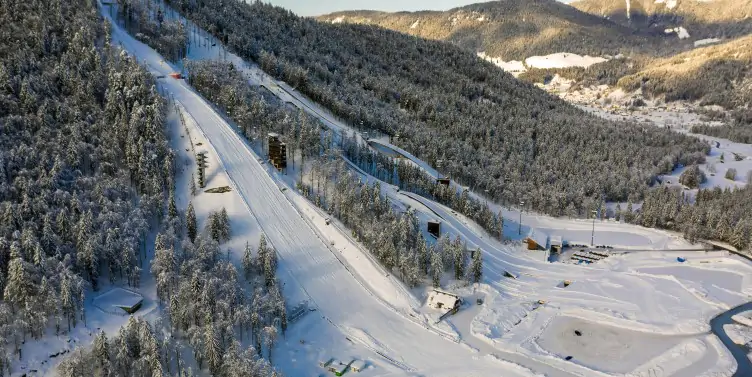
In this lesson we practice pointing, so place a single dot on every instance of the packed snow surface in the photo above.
(563, 60)
(602, 347)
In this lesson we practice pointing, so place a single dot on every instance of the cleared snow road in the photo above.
(324, 279)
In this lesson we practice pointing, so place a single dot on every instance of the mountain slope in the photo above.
(718, 75)
(441, 102)
(702, 19)
(512, 29)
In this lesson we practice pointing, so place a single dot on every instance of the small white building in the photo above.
(443, 300)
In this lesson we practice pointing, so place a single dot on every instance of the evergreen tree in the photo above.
(437, 268)
(172, 210)
(476, 266)
(190, 222)
(193, 185)
(248, 260)
(459, 258)
(224, 225)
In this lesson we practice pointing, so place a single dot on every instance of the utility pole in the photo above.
(592, 236)
(521, 206)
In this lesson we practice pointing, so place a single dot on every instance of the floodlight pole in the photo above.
(520, 230)
(592, 236)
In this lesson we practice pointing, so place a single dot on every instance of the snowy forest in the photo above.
(442, 103)
(737, 126)
(148, 22)
(86, 174)
(328, 183)
(212, 306)
(720, 214)
(84, 166)
(409, 177)
(394, 238)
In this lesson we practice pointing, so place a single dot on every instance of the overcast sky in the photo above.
(319, 7)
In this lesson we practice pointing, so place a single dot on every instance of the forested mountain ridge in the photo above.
(719, 74)
(702, 19)
(441, 102)
(514, 29)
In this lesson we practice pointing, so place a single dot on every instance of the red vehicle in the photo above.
(176, 75)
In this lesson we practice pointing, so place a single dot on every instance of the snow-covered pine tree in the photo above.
(247, 261)
(172, 209)
(476, 266)
(458, 249)
(437, 267)
(190, 222)
(224, 225)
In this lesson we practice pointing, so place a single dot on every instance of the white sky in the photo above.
(319, 7)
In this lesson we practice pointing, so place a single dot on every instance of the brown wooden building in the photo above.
(277, 151)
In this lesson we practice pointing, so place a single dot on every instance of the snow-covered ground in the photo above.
(514, 67)
(740, 334)
(745, 318)
(557, 60)
(563, 60)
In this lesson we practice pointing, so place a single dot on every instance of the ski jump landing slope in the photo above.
(312, 268)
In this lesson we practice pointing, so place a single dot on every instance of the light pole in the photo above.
(521, 204)
(592, 236)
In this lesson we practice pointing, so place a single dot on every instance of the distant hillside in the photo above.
(719, 74)
(701, 18)
(513, 29)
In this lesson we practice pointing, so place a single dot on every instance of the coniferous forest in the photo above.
(442, 103)
(86, 176)
(84, 165)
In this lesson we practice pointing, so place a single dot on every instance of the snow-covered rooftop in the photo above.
(118, 301)
(439, 299)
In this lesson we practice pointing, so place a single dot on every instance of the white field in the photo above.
(557, 60)
(364, 314)
(563, 60)
(512, 66)
(597, 342)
